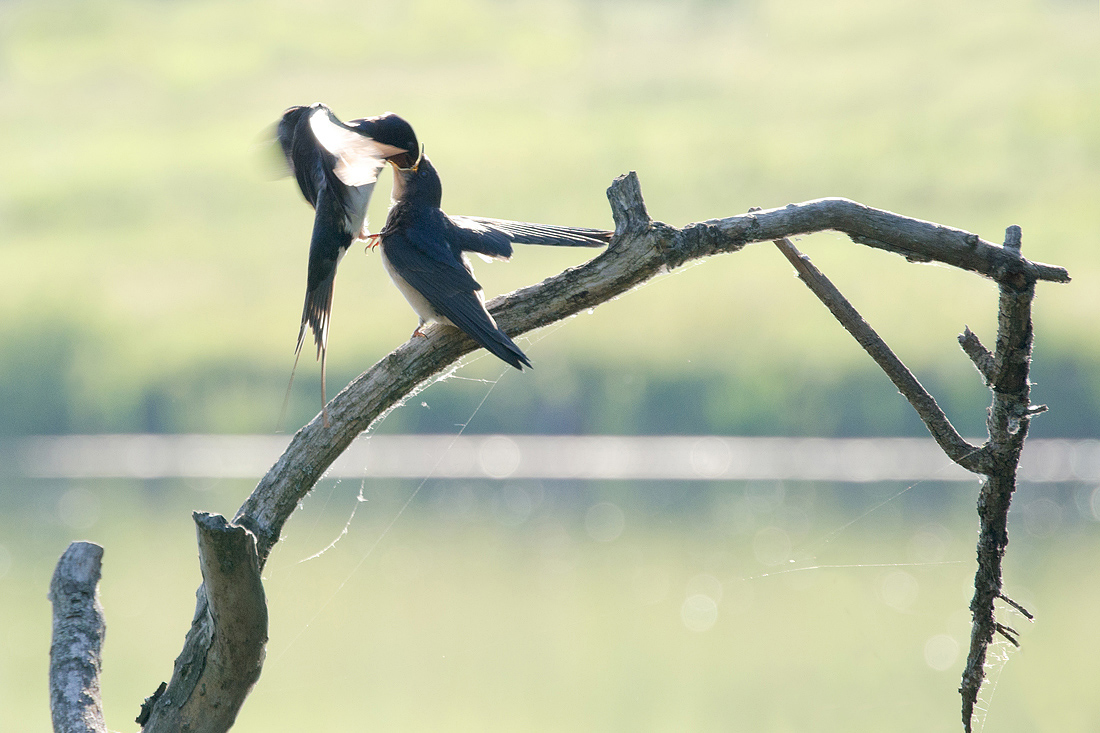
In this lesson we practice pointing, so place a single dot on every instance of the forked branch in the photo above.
(1009, 418)
(641, 249)
(1006, 373)
(968, 456)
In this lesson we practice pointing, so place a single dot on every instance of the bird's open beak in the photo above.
(404, 162)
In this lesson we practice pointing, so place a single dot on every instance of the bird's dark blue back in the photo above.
(419, 241)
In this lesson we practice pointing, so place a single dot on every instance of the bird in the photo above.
(336, 165)
(424, 252)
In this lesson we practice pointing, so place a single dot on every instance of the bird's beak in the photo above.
(404, 157)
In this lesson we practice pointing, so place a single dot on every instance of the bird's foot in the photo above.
(418, 333)
(372, 240)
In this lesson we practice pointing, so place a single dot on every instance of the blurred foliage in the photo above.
(46, 390)
(151, 278)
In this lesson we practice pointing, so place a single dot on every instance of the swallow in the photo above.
(336, 165)
(424, 252)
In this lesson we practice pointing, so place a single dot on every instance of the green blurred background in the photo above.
(151, 280)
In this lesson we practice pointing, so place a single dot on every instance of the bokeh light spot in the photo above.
(513, 505)
(699, 612)
(940, 652)
(899, 590)
(1042, 517)
(771, 546)
(929, 544)
(710, 457)
(604, 522)
(499, 456)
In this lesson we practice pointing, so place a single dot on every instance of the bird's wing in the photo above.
(305, 159)
(494, 237)
(429, 265)
(422, 256)
(359, 157)
(274, 147)
(327, 245)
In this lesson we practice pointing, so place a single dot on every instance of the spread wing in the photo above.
(306, 160)
(359, 157)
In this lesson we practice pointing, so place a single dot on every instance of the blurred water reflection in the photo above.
(684, 458)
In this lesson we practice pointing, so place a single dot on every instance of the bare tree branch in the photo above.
(916, 240)
(1008, 422)
(223, 660)
(978, 354)
(1006, 373)
(78, 630)
(640, 249)
(1026, 613)
(968, 456)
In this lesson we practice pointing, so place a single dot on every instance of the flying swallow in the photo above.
(336, 165)
(423, 250)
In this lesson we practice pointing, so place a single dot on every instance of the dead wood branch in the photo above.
(1008, 422)
(641, 249)
(1006, 373)
(78, 631)
(968, 456)
(224, 653)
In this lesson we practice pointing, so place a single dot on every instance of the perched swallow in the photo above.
(423, 250)
(336, 165)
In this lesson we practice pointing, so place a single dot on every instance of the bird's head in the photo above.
(393, 130)
(417, 183)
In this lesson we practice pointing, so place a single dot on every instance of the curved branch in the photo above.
(640, 249)
(914, 239)
(78, 630)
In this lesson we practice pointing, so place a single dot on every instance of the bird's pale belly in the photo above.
(356, 212)
(419, 303)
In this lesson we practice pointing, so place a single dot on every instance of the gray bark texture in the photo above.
(1009, 418)
(78, 631)
(223, 650)
(1006, 373)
